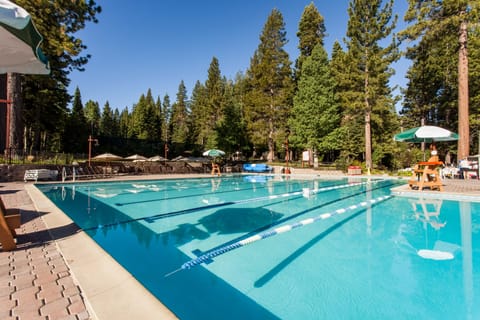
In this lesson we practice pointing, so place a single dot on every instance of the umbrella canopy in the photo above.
(213, 153)
(426, 134)
(107, 157)
(136, 157)
(19, 42)
(157, 158)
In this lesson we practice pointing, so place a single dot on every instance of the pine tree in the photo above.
(92, 116)
(46, 97)
(311, 32)
(179, 121)
(106, 121)
(77, 129)
(443, 26)
(315, 114)
(369, 25)
(270, 87)
(231, 129)
(199, 116)
(166, 113)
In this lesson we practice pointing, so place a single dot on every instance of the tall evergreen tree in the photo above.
(369, 24)
(180, 119)
(214, 98)
(107, 121)
(315, 114)
(311, 32)
(46, 97)
(231, 129)
(200, 116)
(438, 23)
(270, 86)
(92, 116)
(76, 130)
(124, 124)
(166, 114)
(351, 125)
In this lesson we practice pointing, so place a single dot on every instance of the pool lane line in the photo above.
(291, 217)
(267, 234)
(147, 188)
(270, 197)
(186, 195)
(192, 195)
(151, 219)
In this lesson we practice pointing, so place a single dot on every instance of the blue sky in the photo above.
(155, 44)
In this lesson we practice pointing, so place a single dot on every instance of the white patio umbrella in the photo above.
(136, 157)
(19, 42)
(213, 153)
(156, 158)
(426, 134)
(107, 157)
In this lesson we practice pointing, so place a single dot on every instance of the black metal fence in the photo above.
(21, 156)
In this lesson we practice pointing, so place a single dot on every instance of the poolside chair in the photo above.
(9, 221)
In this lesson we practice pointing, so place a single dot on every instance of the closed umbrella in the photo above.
(19, 42)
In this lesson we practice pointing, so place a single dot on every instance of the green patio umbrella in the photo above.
(213, 153)
(427, 134)
(19, 42)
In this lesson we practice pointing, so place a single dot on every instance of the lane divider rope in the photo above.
(263, 235)
(270, 197)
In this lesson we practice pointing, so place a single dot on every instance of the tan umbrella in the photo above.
(107, 157)
(157, 158)
(136, 157)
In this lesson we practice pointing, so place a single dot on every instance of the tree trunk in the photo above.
(271, 144)
(368, 129)
(463, 122)
(368, 140)
(14, 112)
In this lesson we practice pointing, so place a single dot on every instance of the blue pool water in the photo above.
(371, 261)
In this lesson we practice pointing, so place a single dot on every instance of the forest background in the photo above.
(341, 107)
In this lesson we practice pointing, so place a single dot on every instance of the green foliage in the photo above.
(315, 113)
(367, 62)
(76, 128)
(342, 108)
(270, 86)
(179, 121)
(311, 32)
(46, 97)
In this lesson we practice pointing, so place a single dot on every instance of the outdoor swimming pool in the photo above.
(376, 257)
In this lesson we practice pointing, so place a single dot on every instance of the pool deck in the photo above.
(58, 272)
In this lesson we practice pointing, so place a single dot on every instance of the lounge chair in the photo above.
(9, 221)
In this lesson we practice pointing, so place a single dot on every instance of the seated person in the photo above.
(433, 154)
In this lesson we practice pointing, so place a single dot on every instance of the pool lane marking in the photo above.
(151, 219)
(270, 197)
(270, 233)
(163, 187)
(119, 204)
(293, 216)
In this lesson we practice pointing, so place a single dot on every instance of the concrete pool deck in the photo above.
(58, 272)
